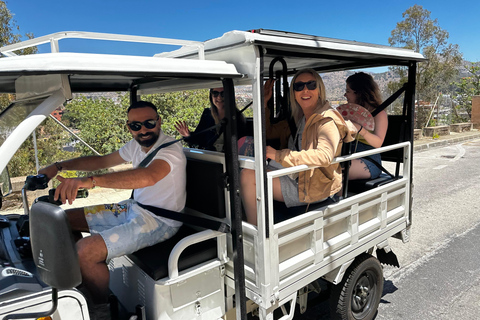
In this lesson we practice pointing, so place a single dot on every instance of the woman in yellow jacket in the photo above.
(318, 140)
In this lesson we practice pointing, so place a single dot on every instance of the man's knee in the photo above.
(77, 219)
(91, 250)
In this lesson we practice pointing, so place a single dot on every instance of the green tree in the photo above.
(467, 87)
(180, 106)
(419, 32)
(100, 122)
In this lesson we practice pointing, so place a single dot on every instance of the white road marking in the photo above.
(440, 167)
(461, 152)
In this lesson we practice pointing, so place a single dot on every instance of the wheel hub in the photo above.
(361, 294)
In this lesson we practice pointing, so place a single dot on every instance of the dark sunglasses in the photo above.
(217, 93)
(137, 125)
(299, 86)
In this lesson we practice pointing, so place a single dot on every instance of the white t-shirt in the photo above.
(168, 193)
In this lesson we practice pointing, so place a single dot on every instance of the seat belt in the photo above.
(149, 158)
(174, 215)
(380, 108)
(389, 101)
(188, 218)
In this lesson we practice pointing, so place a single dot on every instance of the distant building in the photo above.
(58, 113)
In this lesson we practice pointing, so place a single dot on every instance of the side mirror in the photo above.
(54, 252)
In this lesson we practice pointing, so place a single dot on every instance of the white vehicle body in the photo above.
(251, 268)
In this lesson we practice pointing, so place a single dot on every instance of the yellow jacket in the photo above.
(322, 141)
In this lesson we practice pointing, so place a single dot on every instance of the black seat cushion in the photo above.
(358, 186)
(154, 260)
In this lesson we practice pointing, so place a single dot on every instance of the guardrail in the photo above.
(55, 37)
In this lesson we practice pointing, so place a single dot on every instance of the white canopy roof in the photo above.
(102, 72)
(302, 51)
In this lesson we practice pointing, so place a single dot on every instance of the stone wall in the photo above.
(461, 127)
(417, 134)
(437, 130)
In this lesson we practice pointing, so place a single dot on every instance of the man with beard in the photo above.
(125, 227)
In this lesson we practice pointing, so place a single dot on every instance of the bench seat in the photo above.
(205, 194)
(153, 260)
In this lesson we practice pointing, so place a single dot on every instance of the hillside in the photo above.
(335, 81)
(335, 84)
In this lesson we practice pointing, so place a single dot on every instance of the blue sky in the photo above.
(366, 21)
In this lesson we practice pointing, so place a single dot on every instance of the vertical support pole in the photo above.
(410, 104)
(133, 94)
(233, 174)
(54, 45)
(34, 137)
(263, 146)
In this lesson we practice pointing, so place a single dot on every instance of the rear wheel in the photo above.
(358, 295)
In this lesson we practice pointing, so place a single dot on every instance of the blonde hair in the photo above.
(297, 112)
(213, 107)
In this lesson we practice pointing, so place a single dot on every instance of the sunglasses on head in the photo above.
(137, 125)
(299, 86)
(216, 93)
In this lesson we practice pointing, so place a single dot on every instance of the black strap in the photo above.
(182, 217)
(149, 158)
(173, 215)
(245, 108)
(387, 102)
(189, 219)
(381, 107)
(379, 166)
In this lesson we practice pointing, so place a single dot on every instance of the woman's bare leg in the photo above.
(249, 194)
(358, 170)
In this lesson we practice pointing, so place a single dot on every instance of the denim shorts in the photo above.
(289, 187)
(374, 170)
(126, 227)
(290, 192)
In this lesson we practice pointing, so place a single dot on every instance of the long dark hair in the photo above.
(366, 89)
(213, 108)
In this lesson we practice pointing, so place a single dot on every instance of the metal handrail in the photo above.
(55, 37)
(339, 159)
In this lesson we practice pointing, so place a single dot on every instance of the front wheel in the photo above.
(358, 295)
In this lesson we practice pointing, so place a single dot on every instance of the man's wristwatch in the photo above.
(59, 167)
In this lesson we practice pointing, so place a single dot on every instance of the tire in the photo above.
(358, 295)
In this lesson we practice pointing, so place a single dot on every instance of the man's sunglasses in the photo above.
(217, 93)
(299, 86)
(137, 125)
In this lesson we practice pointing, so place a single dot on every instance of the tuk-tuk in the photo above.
(239, 270)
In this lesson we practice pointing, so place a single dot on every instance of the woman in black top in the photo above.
(210, 139)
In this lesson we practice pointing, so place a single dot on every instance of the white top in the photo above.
(168, 193)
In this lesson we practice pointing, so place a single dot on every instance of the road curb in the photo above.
(441, 143)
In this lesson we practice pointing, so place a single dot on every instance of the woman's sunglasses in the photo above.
(299, 86)
(217, 93)
(137, 125)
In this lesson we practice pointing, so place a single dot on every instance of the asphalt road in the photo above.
(439, 276)
(440, 273)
